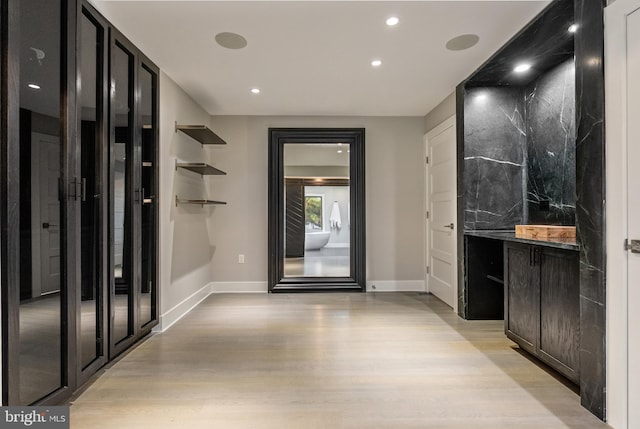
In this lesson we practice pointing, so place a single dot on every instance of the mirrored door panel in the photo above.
(317, 205)
(79, 197)
(147, 82)
(90, 111)
(122, 63)
(42, 224)
(316, 209)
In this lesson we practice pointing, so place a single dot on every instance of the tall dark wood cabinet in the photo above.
(79, 277)
(542, 304)
(133, 206)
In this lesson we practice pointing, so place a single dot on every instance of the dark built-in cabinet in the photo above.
(530, 150)
(79, 209)
(541, 303)
(485, 279)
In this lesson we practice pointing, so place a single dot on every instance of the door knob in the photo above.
(632, 245)
(450, 226)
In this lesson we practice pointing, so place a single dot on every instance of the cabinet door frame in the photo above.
(10, 204)
(135, 197)
(572, 373)
(117, 346)
(145, 63)
(84, 374)
(532, 272)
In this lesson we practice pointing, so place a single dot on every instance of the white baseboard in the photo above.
(395, 286)
(179, 310)
(239, 287)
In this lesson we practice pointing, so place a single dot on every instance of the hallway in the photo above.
(374, 360)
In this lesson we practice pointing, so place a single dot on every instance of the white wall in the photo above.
(444, 110)
(394, 199)
(185, 249)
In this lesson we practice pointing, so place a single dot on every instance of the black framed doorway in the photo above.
(317, 210)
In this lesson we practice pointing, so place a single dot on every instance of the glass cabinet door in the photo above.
(79, 212)
(92, 197)
(134, 208)
(122, 176)
(147, 82)
(42, 338)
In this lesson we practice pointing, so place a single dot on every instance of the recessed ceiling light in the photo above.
(462, 42)
(481, 97)
(33, 86)
(231, 40)
(573, 28)
(521, 68)
(392, 21)
(255, 90)
(376, 63)
(339, 151)
(339, 144)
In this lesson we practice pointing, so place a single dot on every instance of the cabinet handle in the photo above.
(531, 256)
(535, 256)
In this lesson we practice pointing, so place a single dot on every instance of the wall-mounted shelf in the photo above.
(200, 168)
(201, 203)
(200, 133)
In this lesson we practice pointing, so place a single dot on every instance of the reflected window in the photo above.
(313, 212)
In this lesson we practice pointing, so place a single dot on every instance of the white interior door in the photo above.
(441, 249)
(633, 213)
(46, 213)
(622, 74)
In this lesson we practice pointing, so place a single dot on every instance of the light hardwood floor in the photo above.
(306, 361)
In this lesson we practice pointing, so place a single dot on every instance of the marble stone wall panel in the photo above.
(494, 153)
(590, 199)
(550, 122)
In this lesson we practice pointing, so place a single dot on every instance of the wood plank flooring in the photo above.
(306, 361)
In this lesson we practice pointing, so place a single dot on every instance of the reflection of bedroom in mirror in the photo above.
(315, 206)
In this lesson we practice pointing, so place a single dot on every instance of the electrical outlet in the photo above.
(241, 258)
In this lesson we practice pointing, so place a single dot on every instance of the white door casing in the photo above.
(622, 73)
(441, 242)
(45, 162)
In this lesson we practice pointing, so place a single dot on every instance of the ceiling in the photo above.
(314, 57)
